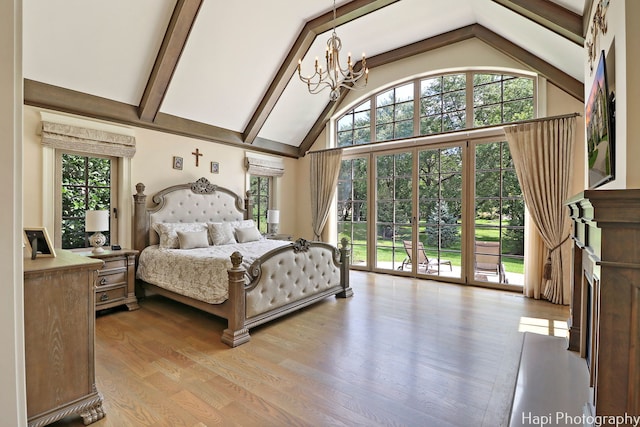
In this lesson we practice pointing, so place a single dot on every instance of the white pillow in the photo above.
(221, 233)
(243, 223)
(248, 234)
(168, 232)
(193, 239)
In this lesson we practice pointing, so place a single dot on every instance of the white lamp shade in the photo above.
(273, 216)
(96, 221)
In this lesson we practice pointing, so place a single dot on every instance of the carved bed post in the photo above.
(345, 262)
(236, 333)
(248, 206)
(140, 219)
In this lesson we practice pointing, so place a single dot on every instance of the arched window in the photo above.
(442, 105)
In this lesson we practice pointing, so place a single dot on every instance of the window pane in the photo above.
(487, 94)
(518, 88)
(486, 116)
(385, 98)
(429, 125)
(404, 93)
(345, 138)
(404, 111)
(488, 156)
(362, 136)
(518, 110)
(404, 129)
(454, 121)
(86, 185)
(431, 105)
(454, 101)
(384, 132)
(345, 123)
(431, 86)
(384, 114)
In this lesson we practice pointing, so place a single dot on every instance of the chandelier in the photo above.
(334, 76)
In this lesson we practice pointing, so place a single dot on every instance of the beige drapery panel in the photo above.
(91, 141)
(325, 169)
(542, 155)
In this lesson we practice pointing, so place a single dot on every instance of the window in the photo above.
(355, 127)
(87, 184)
(442, 106)
(394, 113)
(499, 212)
(498, 98)
(352, 207)
(260, 190)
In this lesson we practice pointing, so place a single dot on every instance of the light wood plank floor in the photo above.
(401, 352)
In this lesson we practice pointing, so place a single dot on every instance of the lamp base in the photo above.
(97, 240)
(272, 228)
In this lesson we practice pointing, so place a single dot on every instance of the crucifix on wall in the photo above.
(197, 153)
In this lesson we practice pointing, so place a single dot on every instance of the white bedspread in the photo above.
(198, 273)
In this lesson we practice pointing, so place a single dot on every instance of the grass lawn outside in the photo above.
(486, 230)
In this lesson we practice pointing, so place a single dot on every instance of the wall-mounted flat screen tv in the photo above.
(600, 129)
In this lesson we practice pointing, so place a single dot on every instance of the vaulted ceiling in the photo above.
(225, 71)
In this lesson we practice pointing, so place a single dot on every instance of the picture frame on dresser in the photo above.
(38, 242)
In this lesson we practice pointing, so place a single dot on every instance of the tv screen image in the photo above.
(599, 129)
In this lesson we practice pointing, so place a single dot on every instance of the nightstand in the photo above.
(273, 236)
(116, 280)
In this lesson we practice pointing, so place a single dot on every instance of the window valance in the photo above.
(264, 166)
(86, 140)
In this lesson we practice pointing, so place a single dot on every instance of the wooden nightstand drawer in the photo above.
(110, 295)
(119, 277)
(114, 263)
(115, 284)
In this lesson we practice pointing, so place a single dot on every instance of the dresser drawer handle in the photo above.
(103, 281)
(104, 296)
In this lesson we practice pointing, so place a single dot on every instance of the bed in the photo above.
(246, 280)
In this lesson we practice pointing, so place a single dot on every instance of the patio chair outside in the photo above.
(487, 256)
(423, 260)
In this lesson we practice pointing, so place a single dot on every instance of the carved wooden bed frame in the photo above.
(245, 306)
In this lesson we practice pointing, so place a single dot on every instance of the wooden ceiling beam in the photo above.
(346, 13)
(559, 78)
(550, 15)
(175, 39)
(51, 97)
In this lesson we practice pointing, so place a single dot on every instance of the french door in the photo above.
(452, 211)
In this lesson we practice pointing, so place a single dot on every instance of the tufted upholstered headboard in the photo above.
(198, 201)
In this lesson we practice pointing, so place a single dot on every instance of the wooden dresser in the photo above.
(116, 279)
(59, 322)
(605, 303)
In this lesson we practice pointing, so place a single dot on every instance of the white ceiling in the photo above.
(235, 49)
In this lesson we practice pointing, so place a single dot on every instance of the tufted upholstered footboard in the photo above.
(284, 280)
(279, 282)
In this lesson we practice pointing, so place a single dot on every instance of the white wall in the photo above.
(12, 390)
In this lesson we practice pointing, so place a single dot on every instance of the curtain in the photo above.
(542, 155)
(325, 169)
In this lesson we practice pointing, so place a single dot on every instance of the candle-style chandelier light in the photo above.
(334, 76)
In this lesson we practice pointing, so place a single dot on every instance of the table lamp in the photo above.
(97, 221)
(273, 219)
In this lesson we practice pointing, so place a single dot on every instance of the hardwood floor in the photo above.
(401, 352)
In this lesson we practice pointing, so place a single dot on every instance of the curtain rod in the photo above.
(502, 125)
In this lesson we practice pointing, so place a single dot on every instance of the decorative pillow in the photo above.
(244, 223)
(168, 232)
(221, 233)
(193, 239)
(248, 234)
